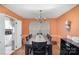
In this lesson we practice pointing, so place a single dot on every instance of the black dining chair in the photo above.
(39, 48)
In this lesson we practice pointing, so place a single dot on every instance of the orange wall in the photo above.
(53, 28)
(73, 16)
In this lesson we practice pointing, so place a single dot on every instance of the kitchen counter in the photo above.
(69, 47)
(71, 42)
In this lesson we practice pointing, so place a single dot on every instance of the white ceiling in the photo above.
(32, 10)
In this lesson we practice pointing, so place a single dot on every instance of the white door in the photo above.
(2, 35)
(18, 30)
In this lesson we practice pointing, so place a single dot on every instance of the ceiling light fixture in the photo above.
(41, 18)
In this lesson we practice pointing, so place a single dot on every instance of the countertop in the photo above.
(71, 41)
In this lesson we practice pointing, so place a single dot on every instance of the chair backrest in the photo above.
(39, 47)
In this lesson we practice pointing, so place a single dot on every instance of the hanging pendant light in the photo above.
(40, 17)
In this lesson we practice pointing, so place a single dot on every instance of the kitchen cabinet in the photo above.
(10, 34)
(2, 35)
(18, 34)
